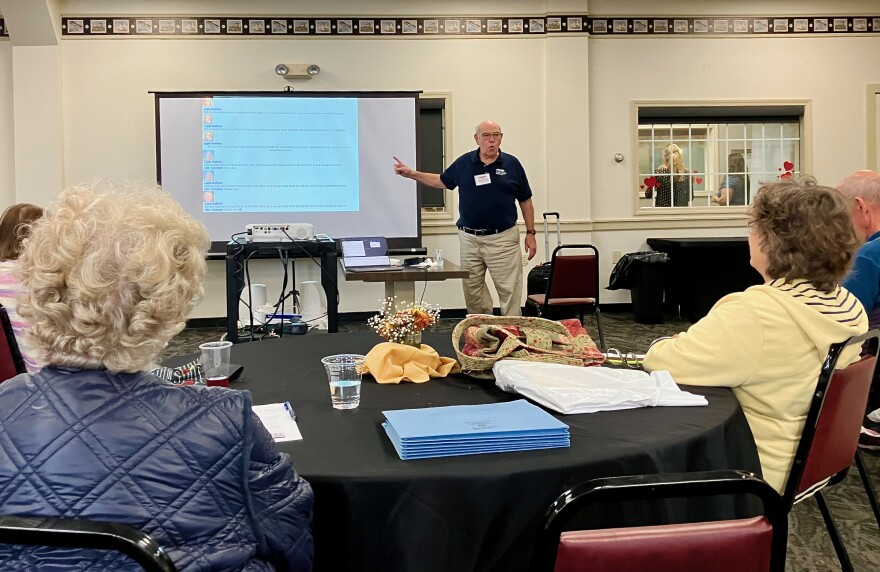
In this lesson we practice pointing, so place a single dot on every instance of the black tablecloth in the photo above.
(374, 511)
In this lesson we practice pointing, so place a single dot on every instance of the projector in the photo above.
(283, 232)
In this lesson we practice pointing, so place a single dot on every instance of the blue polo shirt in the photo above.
(863, 280)
(492, 205)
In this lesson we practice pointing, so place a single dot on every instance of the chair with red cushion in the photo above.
(735, 545)
(573, 284)
(11, 363)
(830, 439)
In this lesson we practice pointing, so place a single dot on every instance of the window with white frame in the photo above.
(718, 156)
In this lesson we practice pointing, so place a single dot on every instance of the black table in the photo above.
(483, 512)
(703, 270)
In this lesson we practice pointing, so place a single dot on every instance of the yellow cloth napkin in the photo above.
(389, 362)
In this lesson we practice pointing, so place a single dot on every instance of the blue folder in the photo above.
(473, 429)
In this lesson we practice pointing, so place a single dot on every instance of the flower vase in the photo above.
(413, 339)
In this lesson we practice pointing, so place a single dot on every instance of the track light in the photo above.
(297, 71)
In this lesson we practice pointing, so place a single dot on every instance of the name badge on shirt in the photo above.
(482, 179)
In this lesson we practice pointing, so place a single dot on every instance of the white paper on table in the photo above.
(575, 389)
(278, 421)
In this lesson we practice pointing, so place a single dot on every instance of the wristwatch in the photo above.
(533, 231)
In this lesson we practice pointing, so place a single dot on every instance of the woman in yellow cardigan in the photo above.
(768, 343)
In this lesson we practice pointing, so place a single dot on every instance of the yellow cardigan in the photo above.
(767, 344)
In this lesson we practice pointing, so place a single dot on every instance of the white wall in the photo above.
(564, 103)
(7, 146)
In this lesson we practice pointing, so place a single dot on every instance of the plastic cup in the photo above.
(214, 354)
(438, 257)
(344, 375)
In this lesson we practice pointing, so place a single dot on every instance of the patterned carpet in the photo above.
(809, 547)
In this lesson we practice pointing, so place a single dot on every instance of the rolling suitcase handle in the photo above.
(547, 235)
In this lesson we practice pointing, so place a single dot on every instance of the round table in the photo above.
(374, 511)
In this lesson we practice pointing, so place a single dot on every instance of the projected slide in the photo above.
(279, 155)
(238, 158)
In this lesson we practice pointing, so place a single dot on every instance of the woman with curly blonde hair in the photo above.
(111, 275)
(768, 343)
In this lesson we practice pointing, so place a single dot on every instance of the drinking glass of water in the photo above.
(344, 375)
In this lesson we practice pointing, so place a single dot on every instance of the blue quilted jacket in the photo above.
(191, 466)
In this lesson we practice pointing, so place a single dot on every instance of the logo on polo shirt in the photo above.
(500, 172)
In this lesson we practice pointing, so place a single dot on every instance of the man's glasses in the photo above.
(495, 135)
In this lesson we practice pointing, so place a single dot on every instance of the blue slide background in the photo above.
(280, 154)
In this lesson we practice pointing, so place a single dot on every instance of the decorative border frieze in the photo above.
(735, 26)
(347, 27)
(159, 26)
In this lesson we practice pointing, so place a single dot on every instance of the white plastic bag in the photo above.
(572, 389)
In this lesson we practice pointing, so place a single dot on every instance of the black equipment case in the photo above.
(536, 282)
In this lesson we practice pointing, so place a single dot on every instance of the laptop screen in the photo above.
(365, 251)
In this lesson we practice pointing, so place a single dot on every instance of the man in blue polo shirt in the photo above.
(863, 280)
(490, 184)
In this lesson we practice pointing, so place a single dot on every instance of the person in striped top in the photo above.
(768, 343)
(14, 227)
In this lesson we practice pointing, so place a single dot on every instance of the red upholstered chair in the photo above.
(11, 363)
(573, 284)
(737, 545)
(80, 533)
(831, 433)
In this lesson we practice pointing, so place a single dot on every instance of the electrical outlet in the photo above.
(616, 255)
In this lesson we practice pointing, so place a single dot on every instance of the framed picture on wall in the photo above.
(257, 26)
(121, 26)
(189, 26)
(410, 26)
(575, 24)
(98, 26)
(431, 26)
(344, 27)
(661, 26)
(233, 26)
(365, 26)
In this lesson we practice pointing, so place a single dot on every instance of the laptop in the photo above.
(366, 254)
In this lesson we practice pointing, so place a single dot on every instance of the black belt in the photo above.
(482, 231)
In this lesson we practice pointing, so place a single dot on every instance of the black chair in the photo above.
(830, 439)
(11, 362)
(734, 545)
(573, 284)
(76, 533)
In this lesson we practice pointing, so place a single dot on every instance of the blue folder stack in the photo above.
(473, 429)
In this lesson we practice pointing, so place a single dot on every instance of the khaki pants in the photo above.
(501, 255)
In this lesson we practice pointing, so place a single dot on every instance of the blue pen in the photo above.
(290, 410)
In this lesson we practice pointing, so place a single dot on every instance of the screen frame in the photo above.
(219, 247)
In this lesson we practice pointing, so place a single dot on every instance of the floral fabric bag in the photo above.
(488, 339)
